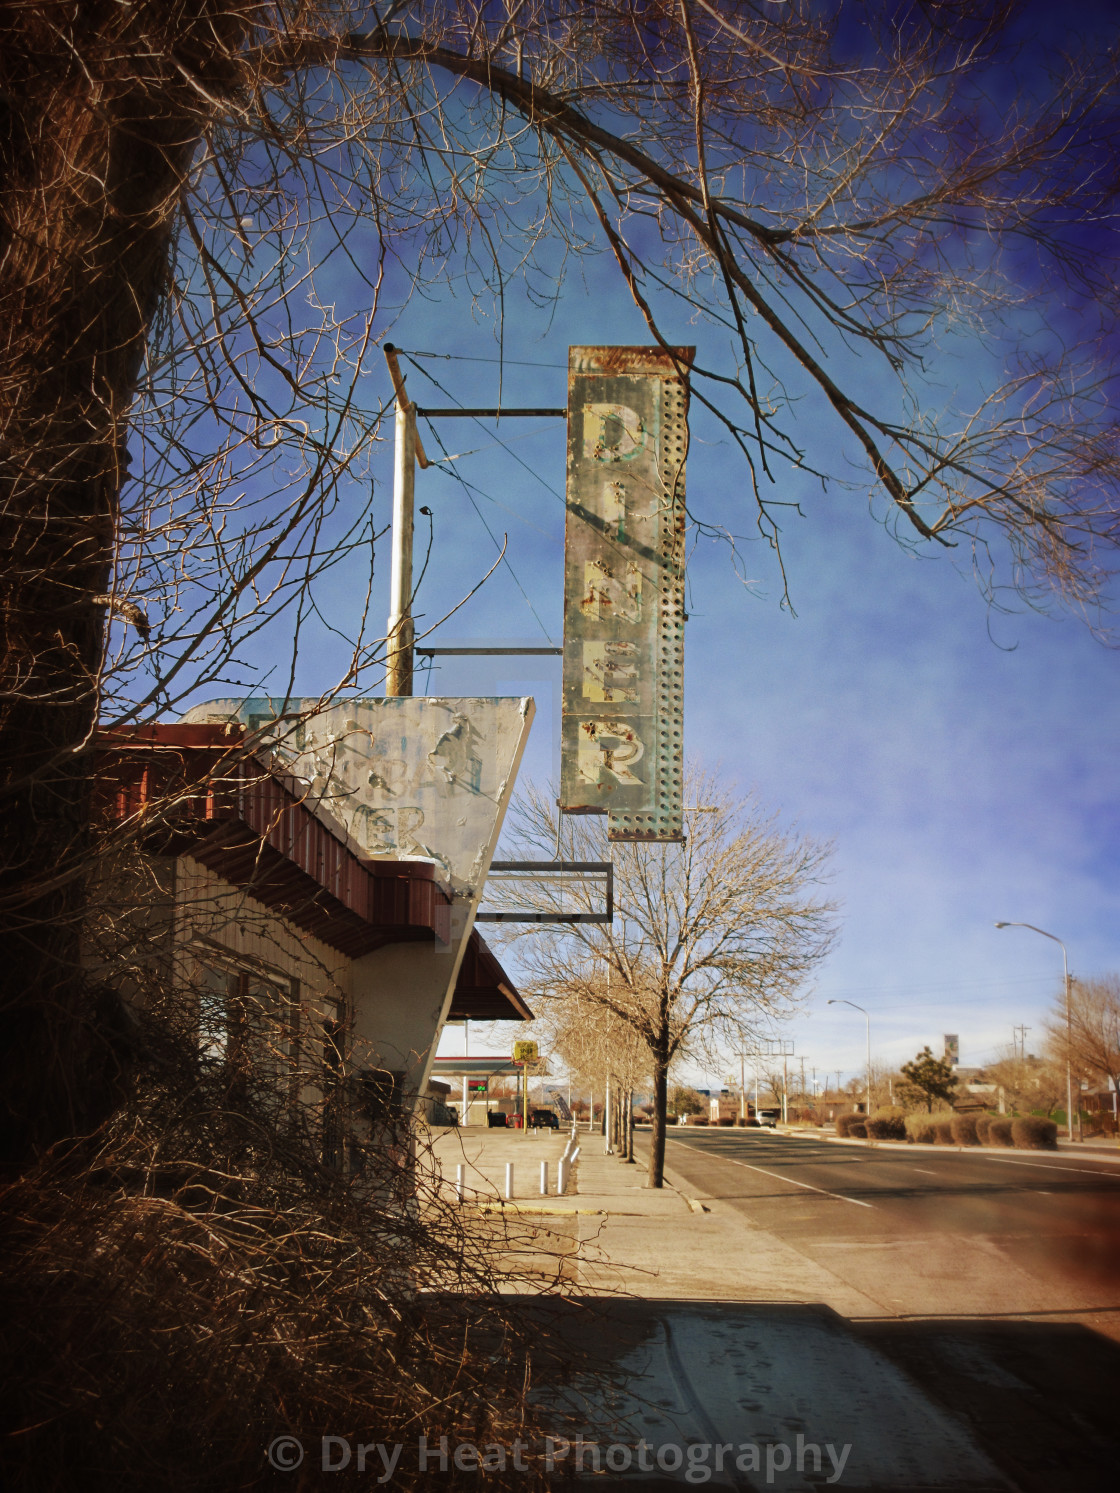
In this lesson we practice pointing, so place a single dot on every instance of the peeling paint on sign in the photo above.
(624, 588)
(405, 777)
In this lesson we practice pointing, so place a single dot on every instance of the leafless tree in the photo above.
(710, 938)
(1029, 1083)
(1093, 1043)
(594, 1044)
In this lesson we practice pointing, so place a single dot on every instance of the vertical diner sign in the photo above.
(624, 588)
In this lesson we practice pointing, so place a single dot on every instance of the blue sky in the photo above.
(961, 760)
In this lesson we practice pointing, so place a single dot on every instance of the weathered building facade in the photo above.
(282, 897)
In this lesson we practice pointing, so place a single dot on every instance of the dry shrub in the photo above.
(943, 1130)
(1033, 1133)
(920, 1129)
(887, 1124)
(192, 1283)
(964, 1130)
(999, 1132)
(858, 1128)
(845, 1122)
(983, 1123)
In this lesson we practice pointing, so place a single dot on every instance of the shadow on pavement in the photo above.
(673, 1394)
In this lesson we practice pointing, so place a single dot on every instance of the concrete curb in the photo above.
(501, 1205)
(1091, 1153)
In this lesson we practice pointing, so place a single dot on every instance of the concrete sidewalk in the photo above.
(732, 1344)
(620, 1235)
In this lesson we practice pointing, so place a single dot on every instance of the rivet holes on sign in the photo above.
(624, 588)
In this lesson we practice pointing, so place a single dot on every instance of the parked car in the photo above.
(543, 1119)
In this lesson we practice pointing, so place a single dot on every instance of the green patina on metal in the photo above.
(624, 588)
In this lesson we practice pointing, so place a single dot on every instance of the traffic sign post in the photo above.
(525, 1053)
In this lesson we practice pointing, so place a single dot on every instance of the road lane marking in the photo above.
(1048, 1166)
(822, 1190)
(924, 1171)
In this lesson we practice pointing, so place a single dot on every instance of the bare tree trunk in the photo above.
(98, 133)
(630, 1127)
(660, 1108)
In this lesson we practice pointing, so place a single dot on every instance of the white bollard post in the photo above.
(460, 1176)
(544, 1179)
(509, 1179)
(562, 1177)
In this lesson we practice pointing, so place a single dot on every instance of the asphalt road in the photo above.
(992, 1280)
(925, 1232)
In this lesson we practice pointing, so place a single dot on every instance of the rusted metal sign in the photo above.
(624, 588)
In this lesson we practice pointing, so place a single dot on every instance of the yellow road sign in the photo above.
(525, 1052)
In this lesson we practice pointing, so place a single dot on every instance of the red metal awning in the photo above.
(193, 790)
(483, 991)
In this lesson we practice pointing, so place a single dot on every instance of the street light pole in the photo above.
(868, 1020)
(407, 452)
(1069, 1021)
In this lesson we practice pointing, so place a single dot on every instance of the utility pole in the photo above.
(785, 1089)
(408, 450)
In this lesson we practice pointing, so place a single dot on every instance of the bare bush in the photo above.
(887, 1124)
(1033, 1133)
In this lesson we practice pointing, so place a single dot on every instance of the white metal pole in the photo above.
(1069, 1054)
(544, 1179)
(509, 1179)
(607, 1119)
(868, 1020)
(460, 1177)
(398, 679)
(1053, 937)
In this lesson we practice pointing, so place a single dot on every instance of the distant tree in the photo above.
(927, 1078)
(1029, 1083)
(596, 1046)
(682, 1101)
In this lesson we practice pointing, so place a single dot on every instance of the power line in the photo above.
(467, 358)
(559, 496)
(481, 518)
(945, 987)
